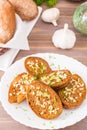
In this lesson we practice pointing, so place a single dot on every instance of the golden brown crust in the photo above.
(17, 90)
(7, 21)
(43, 100)
(56, 79)
(74, 93)
(36, 66)
(26, 9)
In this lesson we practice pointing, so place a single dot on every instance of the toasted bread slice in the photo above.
(26, 9)
(43, 100)
(36, 66)
(56, 79)
(17, 90)
(74, 94)
(7, 21)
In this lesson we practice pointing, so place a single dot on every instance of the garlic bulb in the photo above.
(64, 38)
(51, 15)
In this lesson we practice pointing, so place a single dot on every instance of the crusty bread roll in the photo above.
(26, 9)
(7, 21)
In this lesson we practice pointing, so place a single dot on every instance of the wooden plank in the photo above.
(40, 40)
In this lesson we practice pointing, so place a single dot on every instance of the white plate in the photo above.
(22, 112)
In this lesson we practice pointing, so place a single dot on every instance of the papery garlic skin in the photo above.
(51, 15)
(64, 38)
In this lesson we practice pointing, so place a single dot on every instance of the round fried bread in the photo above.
(7, 21)
(36, 66)
(17, 90)
(26, 9)
(74, 94)
(43, 100)
(56, 79)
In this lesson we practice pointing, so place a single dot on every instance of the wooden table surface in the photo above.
(40, 42)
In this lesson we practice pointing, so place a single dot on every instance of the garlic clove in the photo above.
(51, 15)
(64, 38)
(54, 23)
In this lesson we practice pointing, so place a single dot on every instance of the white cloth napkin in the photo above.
(7, 58)
(20, 41)
(0, 91)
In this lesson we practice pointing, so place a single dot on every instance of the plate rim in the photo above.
(35, 54)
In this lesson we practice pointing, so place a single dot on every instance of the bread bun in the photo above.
(26, 9)
(7, 21)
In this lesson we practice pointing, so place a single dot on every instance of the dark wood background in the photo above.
(40, 41)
